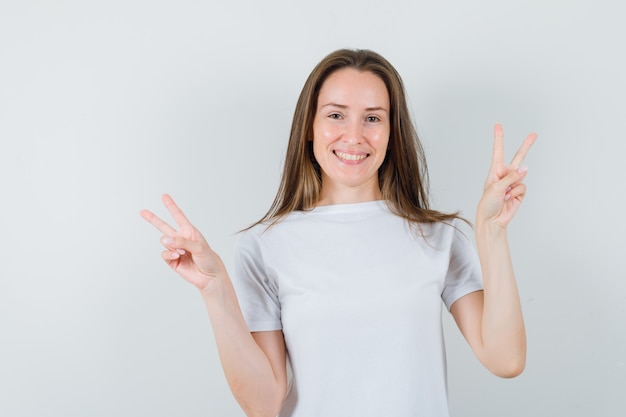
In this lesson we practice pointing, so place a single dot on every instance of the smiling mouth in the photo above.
(350, 157)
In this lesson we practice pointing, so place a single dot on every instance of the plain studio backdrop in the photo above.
(106, 105)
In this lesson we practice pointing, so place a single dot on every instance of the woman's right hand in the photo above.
(187, 252)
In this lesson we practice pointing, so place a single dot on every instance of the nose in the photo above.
(353, 133)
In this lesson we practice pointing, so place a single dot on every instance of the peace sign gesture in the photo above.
(187, 252)
(504, 189)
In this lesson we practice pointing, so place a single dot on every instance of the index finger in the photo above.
(523, 150)
(497, 158)
(154, 220)
(175, 211)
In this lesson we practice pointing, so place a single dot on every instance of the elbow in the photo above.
(504, 363)
(264, 414)
(258, 403)
(270, 411)
(505, 360)
(511, 369)
(266, 410)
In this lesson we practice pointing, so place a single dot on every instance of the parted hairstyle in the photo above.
(403, 175)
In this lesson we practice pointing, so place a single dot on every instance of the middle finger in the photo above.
(523, 151)
(162, 226)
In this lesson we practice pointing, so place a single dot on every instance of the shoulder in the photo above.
(448, 228)
(442, 237)
(249, 238)
(261, 233)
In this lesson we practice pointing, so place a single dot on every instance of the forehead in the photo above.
(349, 85)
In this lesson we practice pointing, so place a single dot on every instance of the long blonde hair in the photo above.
(403, 175)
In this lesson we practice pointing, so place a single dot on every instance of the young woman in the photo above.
(343, 279)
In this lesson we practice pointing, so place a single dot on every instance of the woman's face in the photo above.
(350, 135)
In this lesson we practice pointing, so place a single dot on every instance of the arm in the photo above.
(491, 320)
(254, 364)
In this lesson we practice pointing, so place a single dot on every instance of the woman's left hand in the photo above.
(504, 188)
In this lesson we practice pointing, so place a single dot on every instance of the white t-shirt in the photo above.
(358, 295)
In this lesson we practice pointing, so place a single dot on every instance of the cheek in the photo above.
(323, 132)
(381, 139)
(317, 144)
(323, 137)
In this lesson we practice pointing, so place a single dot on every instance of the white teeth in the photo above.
(349, 156)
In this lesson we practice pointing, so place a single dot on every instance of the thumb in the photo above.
(177, 242)
(513, 178)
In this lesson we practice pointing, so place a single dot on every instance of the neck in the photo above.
(331, 195)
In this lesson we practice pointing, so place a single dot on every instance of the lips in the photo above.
(350, 156)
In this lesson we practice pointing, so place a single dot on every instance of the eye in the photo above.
(335, 116)
(373, 119)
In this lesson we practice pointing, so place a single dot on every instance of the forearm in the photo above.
(503, 333)
(255, 385)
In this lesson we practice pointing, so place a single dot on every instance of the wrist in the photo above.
(490, 230)
(215, 287)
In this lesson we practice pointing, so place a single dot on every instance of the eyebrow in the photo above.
(343, 106)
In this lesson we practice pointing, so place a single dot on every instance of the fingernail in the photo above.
(181, 251)
(522, 170)
(507, 197)
(167, 240)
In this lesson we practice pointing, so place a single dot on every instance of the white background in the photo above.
(104, 105)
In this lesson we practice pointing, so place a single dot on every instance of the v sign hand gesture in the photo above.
(504, 188)
(187, 252)
(492, 320)
(254, 363)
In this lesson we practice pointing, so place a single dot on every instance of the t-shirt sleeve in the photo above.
(256, 292)
(464, 275)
